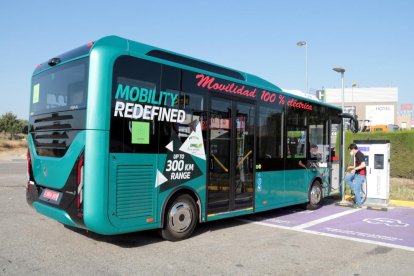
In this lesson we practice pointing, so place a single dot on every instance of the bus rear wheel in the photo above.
(315, 196)
(180, 219)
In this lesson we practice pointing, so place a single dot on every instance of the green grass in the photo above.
(402, 189)
(402, 193)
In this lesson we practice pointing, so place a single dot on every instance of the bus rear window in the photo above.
(61, 88)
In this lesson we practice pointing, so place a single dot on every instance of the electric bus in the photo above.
(125, 137)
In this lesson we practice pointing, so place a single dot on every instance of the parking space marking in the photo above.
(325, 219)
(330, 235)
(393, 229)
(356, 239)
(386, 221)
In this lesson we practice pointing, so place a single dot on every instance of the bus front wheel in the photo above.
(315, 196)
(180, 219)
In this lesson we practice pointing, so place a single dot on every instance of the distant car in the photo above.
(392, 127)
(378, 128)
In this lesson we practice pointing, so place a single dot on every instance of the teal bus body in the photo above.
(100, 184)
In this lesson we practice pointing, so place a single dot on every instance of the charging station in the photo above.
(377, 159)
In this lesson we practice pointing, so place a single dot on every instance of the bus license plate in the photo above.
(51, 196)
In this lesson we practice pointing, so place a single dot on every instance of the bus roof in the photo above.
(170, 58)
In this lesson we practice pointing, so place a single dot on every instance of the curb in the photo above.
(398, 203)
(402, 203)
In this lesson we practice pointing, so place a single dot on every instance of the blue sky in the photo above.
(372, 39)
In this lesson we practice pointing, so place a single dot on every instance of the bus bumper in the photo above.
(55, 213)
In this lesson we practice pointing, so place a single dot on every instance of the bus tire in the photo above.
(180, 218)
(315, 196)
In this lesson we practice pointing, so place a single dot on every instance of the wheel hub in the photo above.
(180, 217)
(315, 195)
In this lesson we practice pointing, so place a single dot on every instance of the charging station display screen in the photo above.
(378, 161)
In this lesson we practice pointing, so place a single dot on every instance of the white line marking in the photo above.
(357, 240)
(331, 235)
(328, 218)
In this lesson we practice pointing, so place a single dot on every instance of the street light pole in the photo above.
(343, 201)
(354, 84)
(300, 44)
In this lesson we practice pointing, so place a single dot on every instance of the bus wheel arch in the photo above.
(180, 214)
(315, 195)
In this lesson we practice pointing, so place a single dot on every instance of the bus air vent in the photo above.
(134, 190)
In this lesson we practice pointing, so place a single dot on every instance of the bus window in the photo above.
(270, 138)
(296, 142)
(193, 105)
(193, 101)
(270, 131)
(61, 88)
(318, 139)
(131, 131)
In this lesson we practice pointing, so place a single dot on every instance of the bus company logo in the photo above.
(194, 144)
(211, 84)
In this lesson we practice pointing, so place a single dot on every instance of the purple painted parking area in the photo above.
(294, 216)
(394, 227)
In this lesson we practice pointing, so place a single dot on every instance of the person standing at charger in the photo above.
(358, 173)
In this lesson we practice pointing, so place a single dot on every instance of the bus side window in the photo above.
(129, 134)
(193, 105)
(269, 142)
(296, 142)
(193, 102)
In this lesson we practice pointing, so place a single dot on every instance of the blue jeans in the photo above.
(355, 182)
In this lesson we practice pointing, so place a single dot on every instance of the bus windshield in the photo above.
(61, 88)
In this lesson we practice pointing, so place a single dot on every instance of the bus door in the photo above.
(231, 155)
(335, 148)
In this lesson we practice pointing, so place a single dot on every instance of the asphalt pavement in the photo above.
(282, 242)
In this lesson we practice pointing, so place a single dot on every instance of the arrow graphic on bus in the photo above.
(170, 146)
(160, 179)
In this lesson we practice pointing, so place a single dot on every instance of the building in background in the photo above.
(373, 106)
(405, 116)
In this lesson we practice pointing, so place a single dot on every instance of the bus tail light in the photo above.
(80, 185)
(29, 164)
(29, 171)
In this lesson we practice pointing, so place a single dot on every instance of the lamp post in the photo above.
(354, 84)
(300, 44)
(343, 201)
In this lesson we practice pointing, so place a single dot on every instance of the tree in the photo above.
(10, 124)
